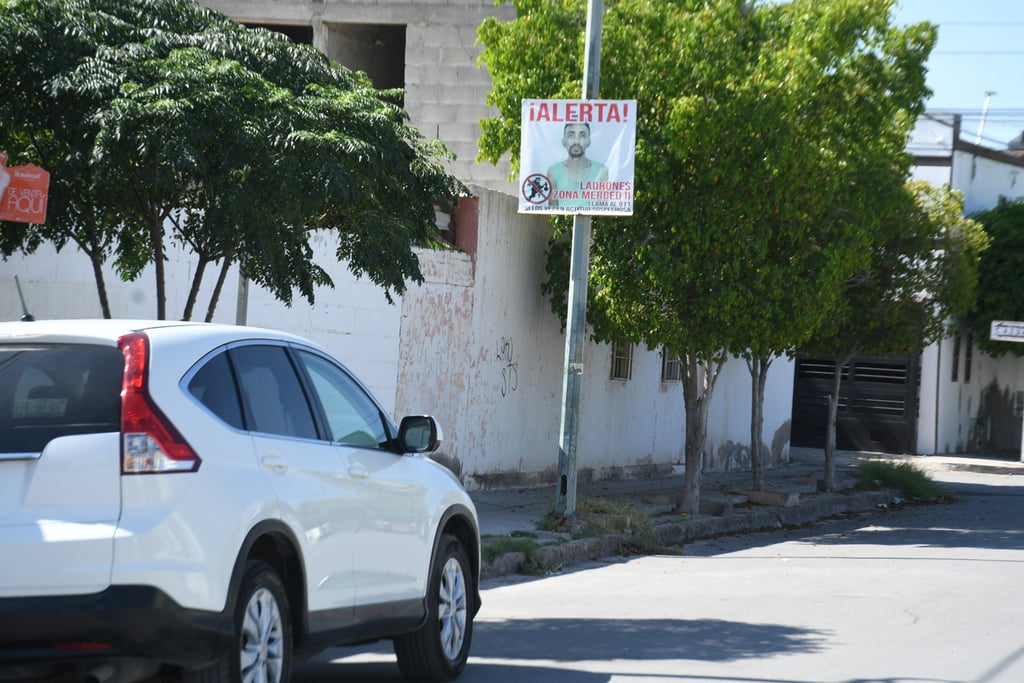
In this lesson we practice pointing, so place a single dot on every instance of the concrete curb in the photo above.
(556, 556)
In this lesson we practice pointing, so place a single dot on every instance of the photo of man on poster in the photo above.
(577, 167)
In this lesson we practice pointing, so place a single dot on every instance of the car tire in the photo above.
(439, 649)
(261, 648)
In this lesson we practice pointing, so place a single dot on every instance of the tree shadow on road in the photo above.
(527, 642)
(711, 640)
(979, 516)
(975, 516)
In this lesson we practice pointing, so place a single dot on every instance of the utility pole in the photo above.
(565, 502)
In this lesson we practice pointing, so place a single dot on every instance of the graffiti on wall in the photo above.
(509, 366)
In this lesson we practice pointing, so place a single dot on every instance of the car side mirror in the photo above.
(419, 434)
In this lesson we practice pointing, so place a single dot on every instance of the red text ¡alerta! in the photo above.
(582, 111)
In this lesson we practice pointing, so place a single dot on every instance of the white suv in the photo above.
(207, 502)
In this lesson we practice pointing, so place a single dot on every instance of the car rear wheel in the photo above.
(439, 649)
(261, 649)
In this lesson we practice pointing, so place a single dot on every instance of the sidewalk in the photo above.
(725, 508)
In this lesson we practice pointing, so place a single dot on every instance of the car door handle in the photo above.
(358, 472)
(275, 464)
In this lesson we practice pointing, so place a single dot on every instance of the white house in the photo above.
(969, 400)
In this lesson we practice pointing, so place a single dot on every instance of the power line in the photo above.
(978, 23)
(978, 53)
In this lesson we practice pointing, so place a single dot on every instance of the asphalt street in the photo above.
(922, 593)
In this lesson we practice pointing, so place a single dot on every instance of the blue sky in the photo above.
(980, 49)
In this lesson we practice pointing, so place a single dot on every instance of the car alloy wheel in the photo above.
(262, 639)
(452, 608)
(439, 649)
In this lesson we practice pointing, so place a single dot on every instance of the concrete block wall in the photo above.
(445, 89)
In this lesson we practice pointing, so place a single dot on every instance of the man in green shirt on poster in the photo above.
(567, 175)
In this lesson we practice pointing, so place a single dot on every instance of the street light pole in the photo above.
(565, 501)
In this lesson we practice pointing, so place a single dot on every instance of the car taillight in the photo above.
(149, 442)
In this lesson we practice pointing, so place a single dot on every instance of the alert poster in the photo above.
(576, 157)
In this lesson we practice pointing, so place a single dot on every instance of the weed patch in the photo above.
(494, 547)
(902, 476)
(602, 516)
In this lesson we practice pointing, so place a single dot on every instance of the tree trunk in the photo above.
(193, 292)
(219, 287)
(156, 239)
(830, 425)
(758, 368)
(699, 379)
(101, 285)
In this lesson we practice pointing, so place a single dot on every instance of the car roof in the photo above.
(107, 331)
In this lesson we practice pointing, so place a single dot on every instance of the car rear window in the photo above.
(48, 391)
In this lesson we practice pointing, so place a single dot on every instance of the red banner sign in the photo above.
(23, 192)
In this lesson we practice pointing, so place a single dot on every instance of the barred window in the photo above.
(671, 368)
(622, 359)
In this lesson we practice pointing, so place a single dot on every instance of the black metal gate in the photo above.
(877, 403)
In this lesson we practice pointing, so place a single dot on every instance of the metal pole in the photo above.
(565, 501)
(984, 115)
(242, 300)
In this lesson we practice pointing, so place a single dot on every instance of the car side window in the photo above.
(274, 400)
(214, 386)
(352, 416)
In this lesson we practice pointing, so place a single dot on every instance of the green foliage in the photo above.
(1001, 275)
(923, 271)
(770, 144)
(902, 476)
(159, 118)
(493, 548)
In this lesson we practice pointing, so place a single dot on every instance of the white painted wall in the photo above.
(988, 396)
(61, 285)
(353, 320)
(983, 181)
(482, 350)
(949, 409)
(729, 416)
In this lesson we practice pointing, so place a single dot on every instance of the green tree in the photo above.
(826, 160)
(1001, 275)
(753, 120)
(48, 128)
(163, 120)
(922, 274)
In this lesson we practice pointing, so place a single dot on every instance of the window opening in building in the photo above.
(671, 368)
(968, 355)
(376, 49)
(302, 34)
(956, 358)
(622, 359)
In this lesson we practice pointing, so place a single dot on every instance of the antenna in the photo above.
(26, 316)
